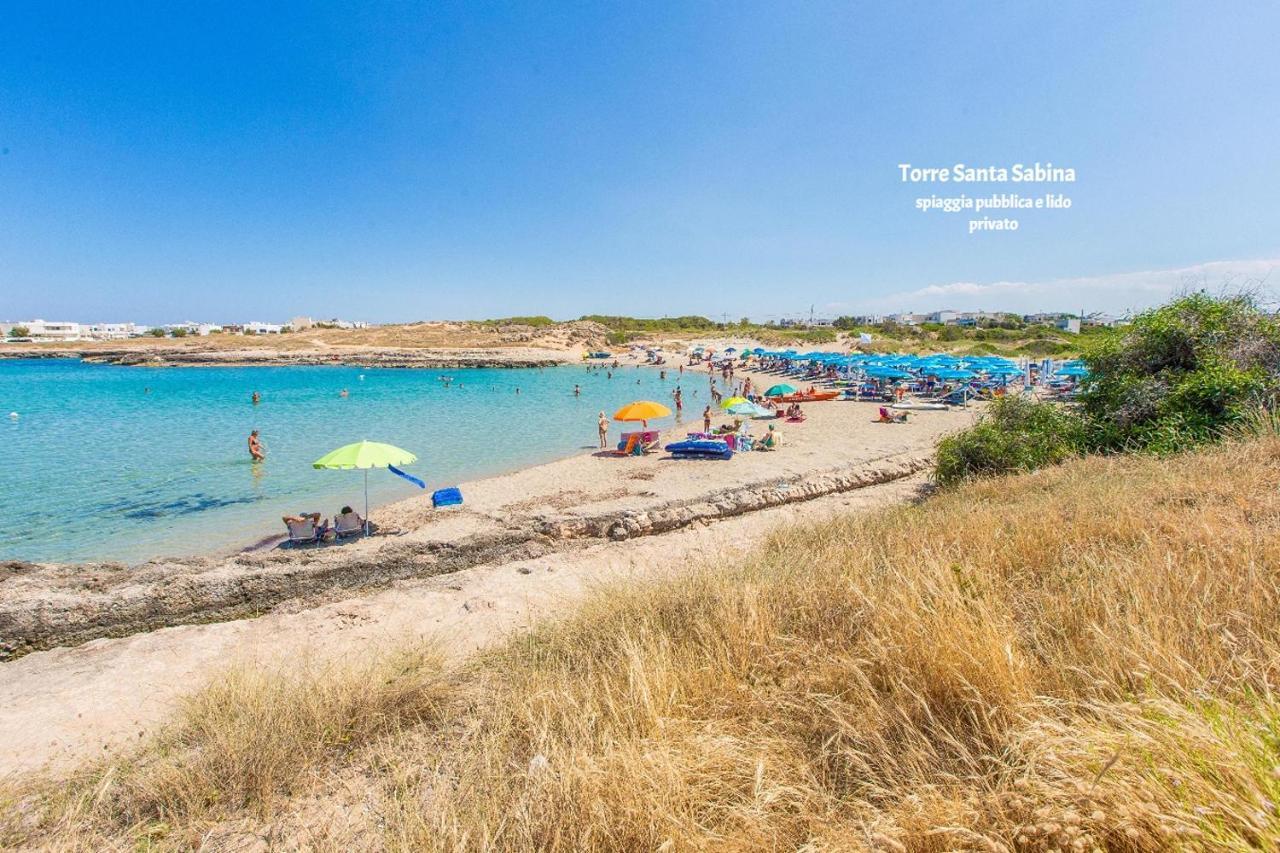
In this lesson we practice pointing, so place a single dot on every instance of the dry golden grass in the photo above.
(1081, 658)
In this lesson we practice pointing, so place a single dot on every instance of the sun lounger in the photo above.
(348, 524)
(303, 532)
(638, 442)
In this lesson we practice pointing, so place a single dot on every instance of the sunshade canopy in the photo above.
(641, 410)
(365, 454)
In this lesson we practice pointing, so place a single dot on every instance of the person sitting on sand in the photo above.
(255, 447)
(348, 521)
(306, 525)
(772, 439)
(887, 418)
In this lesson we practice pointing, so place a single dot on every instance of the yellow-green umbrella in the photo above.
(732, 401)
(364, 455)
(641, 410)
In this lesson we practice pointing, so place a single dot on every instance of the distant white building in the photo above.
(45, 330)
(190, 328)
(943, 317)
(256, 327)
(906, 319)
(301, 323)
(110, 331)
(1070, 325)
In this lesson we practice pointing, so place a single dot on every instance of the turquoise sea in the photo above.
(128, 463)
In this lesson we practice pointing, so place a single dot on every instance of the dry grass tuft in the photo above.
(248, 742)
(1080, 658)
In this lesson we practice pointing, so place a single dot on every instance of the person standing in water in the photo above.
(679, 399)
(603, 426)
(577, 392)
(257, 398)
(255, 447)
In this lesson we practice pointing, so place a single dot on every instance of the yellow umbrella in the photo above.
(733, 401)
(641, 410)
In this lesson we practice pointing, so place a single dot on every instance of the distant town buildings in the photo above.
(40, 331)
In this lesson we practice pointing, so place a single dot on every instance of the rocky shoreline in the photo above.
(253, 357)
(47, 605)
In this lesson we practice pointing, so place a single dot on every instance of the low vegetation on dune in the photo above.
(1083, 657)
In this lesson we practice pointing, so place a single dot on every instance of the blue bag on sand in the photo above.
(446, 497)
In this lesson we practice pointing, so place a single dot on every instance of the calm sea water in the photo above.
(127, 463)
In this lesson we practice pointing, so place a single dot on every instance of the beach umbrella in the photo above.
(364, 455)
(641, 410)
(780, 389)
(732, 401)
(749, 409)
(952, 374)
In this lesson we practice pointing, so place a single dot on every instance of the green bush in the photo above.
(1181, 374)
(1014, 434)
(538, 321)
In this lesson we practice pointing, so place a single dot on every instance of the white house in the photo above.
(259, 328)
(1070, 325)
(44, 330)
(943, 317)
(110, 331)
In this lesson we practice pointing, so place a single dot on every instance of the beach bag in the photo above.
(446, 497)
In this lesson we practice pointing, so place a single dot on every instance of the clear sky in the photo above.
(163, 161)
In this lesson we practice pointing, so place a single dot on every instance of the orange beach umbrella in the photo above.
(641, 410)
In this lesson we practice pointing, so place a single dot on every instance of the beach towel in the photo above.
(446, 497)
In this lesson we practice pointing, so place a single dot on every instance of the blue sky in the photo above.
(169, 161)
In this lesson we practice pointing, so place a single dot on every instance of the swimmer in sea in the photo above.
(257, 398)
(343, 393)
(577, 392)
(256, 449)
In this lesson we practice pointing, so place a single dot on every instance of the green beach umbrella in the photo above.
(780, 389)
(364, 455)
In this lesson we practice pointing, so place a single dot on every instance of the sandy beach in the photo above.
(103, 651)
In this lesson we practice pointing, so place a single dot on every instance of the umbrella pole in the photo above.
(366, 501)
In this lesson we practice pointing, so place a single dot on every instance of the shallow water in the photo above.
(127, 463)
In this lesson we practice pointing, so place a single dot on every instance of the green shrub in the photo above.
(537, 322)
(1014, 434)
(1181, 374)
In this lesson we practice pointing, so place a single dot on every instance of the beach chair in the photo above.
(348, 524)
(303, 532)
